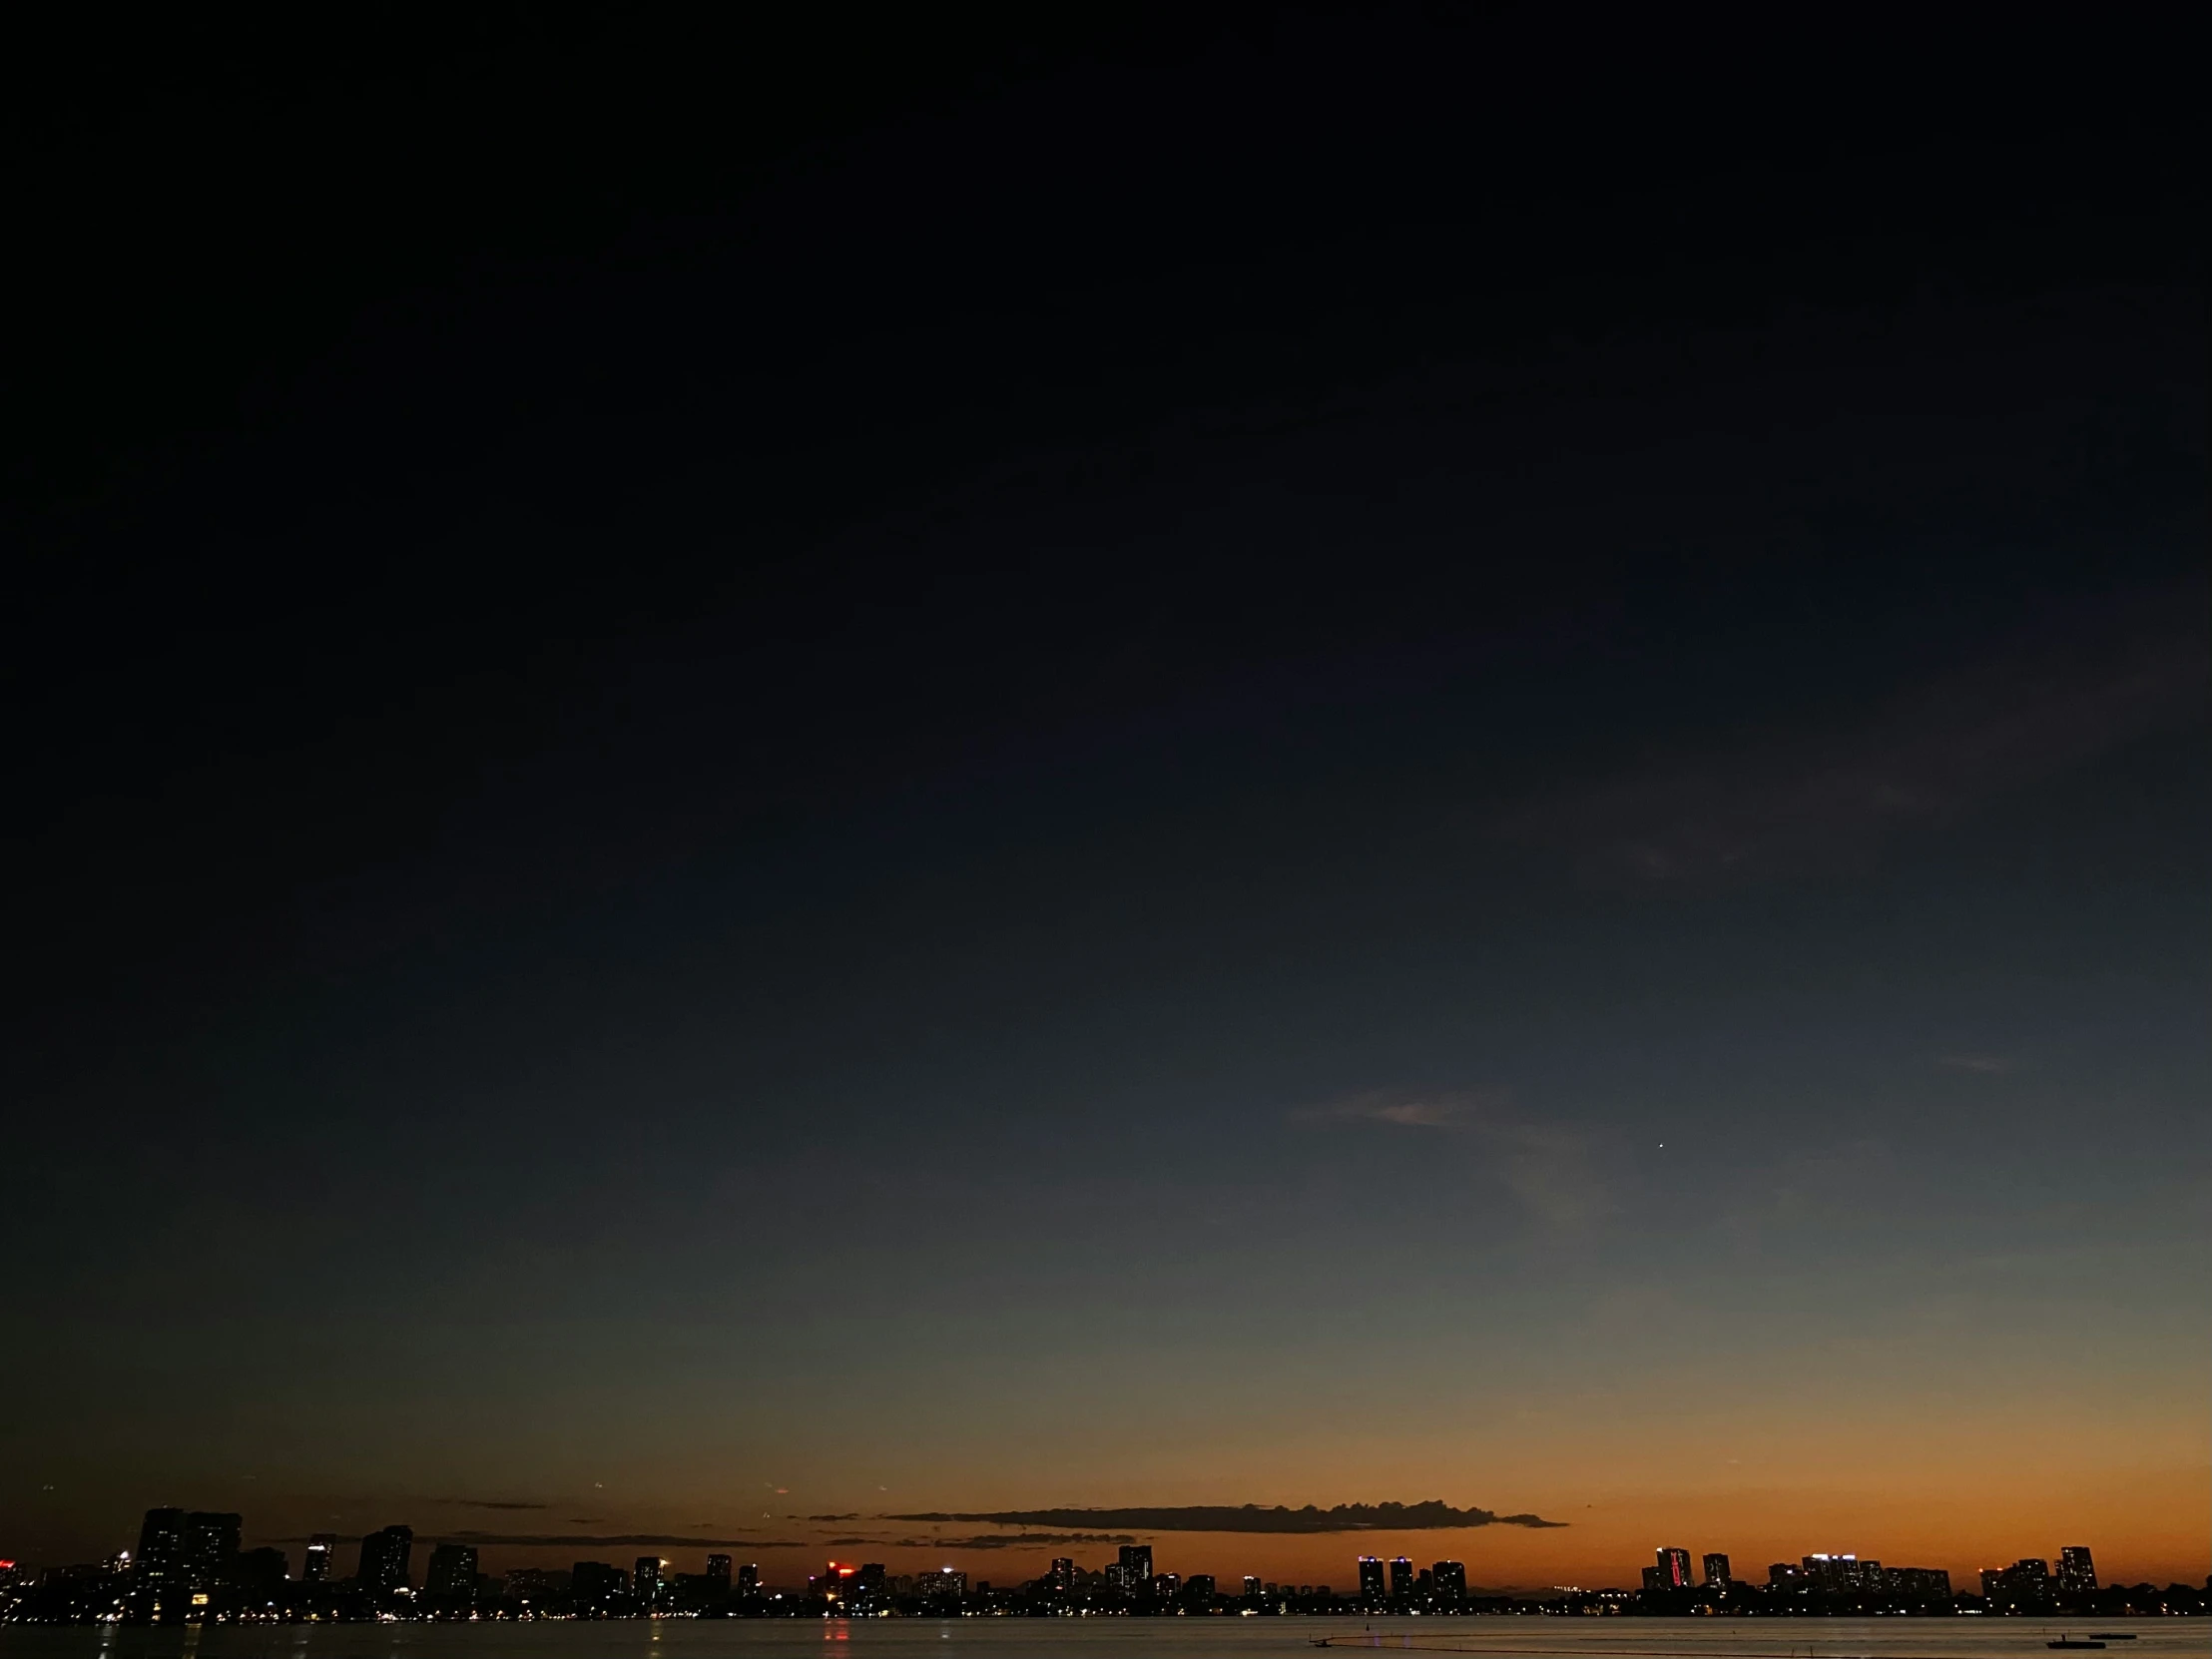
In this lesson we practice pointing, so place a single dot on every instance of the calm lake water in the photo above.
(1216, 1638)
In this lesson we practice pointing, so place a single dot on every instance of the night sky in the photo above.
(889, 770)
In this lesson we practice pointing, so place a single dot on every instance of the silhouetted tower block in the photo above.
(1136, 1568)
(1371, 1590)
(595, 1587)
(211, 1546)
(161, 1551)
(2077, 1573)
(451, 1577)
(387, 1560)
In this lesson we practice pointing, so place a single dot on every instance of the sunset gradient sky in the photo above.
(1238, 769)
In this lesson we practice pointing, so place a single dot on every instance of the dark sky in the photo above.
(1336, 759)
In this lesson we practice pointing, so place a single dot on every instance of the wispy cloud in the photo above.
(1432, 1514)
(1402, 1111)
(1802, 802)
(1988, 1065)
(1548, 1167)
(624, 1541)
(991, 1540)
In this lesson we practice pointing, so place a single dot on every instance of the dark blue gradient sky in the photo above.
(1250, 802)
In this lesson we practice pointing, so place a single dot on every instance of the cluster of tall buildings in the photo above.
(1839, 1580)
(188, 1561)
(1440, 1587)
(1132, 1581)
(183, 1558)
(1828, 1578)
(190, 1566)
(2028, 1585)
(1867, 1579)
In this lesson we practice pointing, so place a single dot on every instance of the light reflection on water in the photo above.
(1168, 1638)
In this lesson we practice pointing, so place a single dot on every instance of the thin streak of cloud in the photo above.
(1987, 1065)
(1435, 1111)
(989, 1540)
(1547, 1168)
(620, 1540)
(1798, 803)
(1430, 1515)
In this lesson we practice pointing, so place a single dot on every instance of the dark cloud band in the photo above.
(1433, 1516)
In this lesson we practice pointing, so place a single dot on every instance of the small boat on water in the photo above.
(2114, 1635)
(2072, 1641)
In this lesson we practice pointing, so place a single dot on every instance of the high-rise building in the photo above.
(211, 1546)
(1253, 1591)
(946, 1584)
(749, 1578)
(717, 1575)
(1845, 1575)
(1136, 1568)
(864, 1590)
(161, 1551)
(1451, 1582)
(1921, 1585)
(1372, 1591)
(536, 1590)
(1401, 1579)
(321, 1556)
(1674, 1569)
(645, 1581)
(260, 1575)
(1716, 1572)
(387, 1560)
(1200, 1589)
(2077, 1573)
(451, 1578)
(595, 1588)
(2026, 1583)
